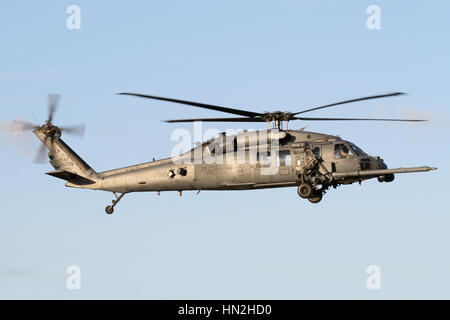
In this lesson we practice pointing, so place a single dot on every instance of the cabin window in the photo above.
(284, 158)
(264, 159)
(316, 151)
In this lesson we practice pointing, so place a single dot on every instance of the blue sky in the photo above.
(260, 55)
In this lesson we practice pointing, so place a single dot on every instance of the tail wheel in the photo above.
(305, 190)
(316, 197)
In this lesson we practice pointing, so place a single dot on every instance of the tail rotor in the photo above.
(50, 131)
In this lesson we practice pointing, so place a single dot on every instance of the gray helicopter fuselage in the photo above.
(188, 172)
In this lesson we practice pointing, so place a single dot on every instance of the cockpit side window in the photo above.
(342, 151)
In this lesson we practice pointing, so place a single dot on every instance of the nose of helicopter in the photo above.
(377, 163)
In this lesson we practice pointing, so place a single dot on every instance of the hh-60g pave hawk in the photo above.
(313, 162)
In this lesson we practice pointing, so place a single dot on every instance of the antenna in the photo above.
(34, 116)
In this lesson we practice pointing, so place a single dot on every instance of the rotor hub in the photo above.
(49, 129)
(277, 115)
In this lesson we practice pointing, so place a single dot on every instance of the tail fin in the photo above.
(68, 165)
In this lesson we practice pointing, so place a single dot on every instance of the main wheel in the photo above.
(109, 209)
(316, 197)
(305, 190)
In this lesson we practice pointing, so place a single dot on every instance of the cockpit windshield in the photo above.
(357, 150)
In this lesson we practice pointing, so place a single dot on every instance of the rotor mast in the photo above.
(277, 118)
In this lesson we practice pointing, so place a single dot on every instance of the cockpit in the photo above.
(347, 150)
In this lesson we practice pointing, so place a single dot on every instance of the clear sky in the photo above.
(260, 55)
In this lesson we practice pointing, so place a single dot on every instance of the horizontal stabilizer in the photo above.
(71, 177)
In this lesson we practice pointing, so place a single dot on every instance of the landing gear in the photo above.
(305, 190)
(312, 175)
(316, 197)
(110, 209)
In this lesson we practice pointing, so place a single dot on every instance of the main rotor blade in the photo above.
(197, 104)
(77, 130)
(355, 119)
(353, 100)
(218, 120)
(53, 100)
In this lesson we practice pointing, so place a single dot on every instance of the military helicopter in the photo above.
(272, 158)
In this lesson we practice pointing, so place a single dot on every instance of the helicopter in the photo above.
(272, 158)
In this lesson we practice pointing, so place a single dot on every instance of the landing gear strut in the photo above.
(313, 174)
(110, 209)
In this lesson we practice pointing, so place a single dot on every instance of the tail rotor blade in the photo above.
(19, 126)
(77, 130)
(41, 156)
(53, 100)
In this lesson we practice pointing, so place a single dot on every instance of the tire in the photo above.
(316, 197)
(109, 209)
(305, 190)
